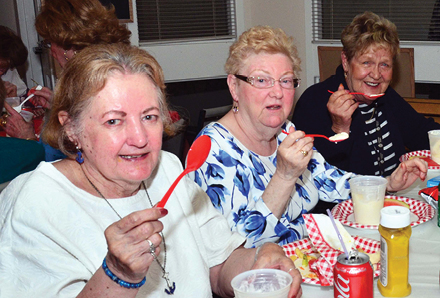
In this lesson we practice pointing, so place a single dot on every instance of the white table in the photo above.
(424, 255)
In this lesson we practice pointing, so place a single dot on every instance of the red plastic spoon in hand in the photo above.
(336, 138)
(364, 94)
(197, 155)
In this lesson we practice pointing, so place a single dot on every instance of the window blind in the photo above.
(416, 20)
(185, 20)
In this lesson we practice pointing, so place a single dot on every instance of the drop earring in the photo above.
(65, 55)
(235, 108)
(79, 158)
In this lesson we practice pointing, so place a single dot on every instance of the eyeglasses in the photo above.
(45, 44)
(268, 82)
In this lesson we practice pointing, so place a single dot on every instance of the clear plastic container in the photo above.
(261, 283)
(395, 231)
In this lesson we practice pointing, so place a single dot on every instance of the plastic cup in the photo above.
(434, 144)
(262, 283)
(27, 116)
(368, 194)
(13, 101)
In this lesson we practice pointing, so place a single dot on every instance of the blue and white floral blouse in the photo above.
(235, 179)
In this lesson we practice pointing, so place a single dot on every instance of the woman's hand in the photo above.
(407, 173)
(271, 255)
(293, 155)
(128, 254)
(11, 89)
(16, 126)
(341, 106)
(42, 98)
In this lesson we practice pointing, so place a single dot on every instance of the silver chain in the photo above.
(171, 285)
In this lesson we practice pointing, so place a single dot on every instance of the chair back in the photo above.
(403, 70)
(207, 116)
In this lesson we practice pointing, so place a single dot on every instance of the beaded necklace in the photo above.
(171, 285)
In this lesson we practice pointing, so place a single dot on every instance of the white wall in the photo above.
(191, 61)
(186, 62)
(285, 14)
(206, 59)
(8, 16)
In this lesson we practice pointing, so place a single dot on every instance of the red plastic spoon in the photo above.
(364, 94)
(197, 155)
(336, 138)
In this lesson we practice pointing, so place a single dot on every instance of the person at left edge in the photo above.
(17, 156)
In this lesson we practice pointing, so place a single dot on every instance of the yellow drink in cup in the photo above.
(368, 194)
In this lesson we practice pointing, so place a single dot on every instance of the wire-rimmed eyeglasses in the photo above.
(261, 82)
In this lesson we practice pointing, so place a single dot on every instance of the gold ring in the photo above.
(5, 116)
(4, 122)
(304, 152)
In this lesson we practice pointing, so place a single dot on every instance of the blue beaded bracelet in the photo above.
(119, 281)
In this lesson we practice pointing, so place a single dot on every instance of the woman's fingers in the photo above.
(138, 225)
(15, 126)
(406, 173)
(11, 111)
(293, 155)
(133, 242)
(11, 89)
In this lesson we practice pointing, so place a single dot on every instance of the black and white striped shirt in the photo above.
(379, 141)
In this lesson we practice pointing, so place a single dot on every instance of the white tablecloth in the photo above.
(424, 255)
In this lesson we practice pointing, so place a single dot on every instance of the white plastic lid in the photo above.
(395, 217)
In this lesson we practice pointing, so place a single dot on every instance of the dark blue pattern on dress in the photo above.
(235, 179)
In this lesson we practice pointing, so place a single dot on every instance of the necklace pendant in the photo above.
(171, 289)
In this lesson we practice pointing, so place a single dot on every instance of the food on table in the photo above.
(302, 259)
(329, 234)
(394, 202)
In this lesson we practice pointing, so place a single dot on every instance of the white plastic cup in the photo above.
(260, 283)
(27, 116)
(13, 101)
(434, 144)
(368, 195)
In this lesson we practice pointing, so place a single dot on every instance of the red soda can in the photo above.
(353, 276)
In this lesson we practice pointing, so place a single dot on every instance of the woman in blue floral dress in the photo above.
(259, 178)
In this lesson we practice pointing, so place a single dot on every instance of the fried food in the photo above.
(302, 259)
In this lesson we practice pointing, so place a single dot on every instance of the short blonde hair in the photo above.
(261, 39)
(369, 29)
(85, 75)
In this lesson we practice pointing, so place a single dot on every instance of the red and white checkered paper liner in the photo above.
(329, 255)
(431, 164)
(422, 210)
